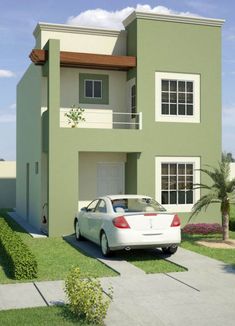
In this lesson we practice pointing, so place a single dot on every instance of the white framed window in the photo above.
(177, 97)
(175, 177)
(93, 88)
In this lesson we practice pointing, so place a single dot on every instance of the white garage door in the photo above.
(110, 179)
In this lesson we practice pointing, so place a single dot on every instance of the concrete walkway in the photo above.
(204, 295)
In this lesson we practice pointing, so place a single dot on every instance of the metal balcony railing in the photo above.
(105, 119)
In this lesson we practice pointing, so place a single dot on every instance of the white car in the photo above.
(126, 222)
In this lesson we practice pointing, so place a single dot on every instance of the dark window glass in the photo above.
(165, 183)
(164, 197)
(173, 85)
(189, 86)
(88, 88)
(181, 109)
(173, 169)
(181, 198)
(189, 197)
(173, 97)
(189, 109)
(189, 168)
(189, 98)
(165, 85)
(97, 88)
(173, 199)
(173, 183)
(165, 97)
(181, 86)
(181, 168)
(165, 169)
(165, 108)
(173, 109)
(181, 98)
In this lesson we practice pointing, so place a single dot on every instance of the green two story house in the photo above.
(151, 95)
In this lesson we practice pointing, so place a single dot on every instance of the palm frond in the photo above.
(204, 202)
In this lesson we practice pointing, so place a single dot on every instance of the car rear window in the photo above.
(132, 205)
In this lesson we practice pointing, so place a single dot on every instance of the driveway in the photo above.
(203, 295)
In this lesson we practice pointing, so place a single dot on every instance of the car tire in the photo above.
(170, 250)
(104, 245)
(77, 231)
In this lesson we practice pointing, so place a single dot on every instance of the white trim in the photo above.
(75, 29)
(174, 159)
(195, 118)
(173, 18)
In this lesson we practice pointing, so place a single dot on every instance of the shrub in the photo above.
(202, 228)
(232, 225)
(86, 299)
(22, 262)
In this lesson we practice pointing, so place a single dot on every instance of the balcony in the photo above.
(104, 119)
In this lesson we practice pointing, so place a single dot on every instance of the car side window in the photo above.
(101, 207)
(91, 207)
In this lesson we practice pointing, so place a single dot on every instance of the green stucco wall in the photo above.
(29, 145)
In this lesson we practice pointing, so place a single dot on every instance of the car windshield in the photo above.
(132, 205)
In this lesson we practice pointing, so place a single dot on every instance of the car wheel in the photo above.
(104, 245)
(170, 250)
(77, 231)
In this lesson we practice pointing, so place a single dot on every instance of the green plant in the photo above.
(221, 191)
(75, 115)
(86, 298)
(22, 262)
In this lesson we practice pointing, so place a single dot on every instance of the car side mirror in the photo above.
(84, 209)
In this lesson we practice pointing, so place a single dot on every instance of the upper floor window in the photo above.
(133, 101)
(93, 88)
(177, 97)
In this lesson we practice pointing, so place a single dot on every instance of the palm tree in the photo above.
(221, 191)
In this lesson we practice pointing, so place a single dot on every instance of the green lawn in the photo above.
(55, 258)
(151, 261)
(46, 316)
(225, 255)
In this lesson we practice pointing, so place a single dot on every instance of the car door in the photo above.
(97, 220)
(85, 220)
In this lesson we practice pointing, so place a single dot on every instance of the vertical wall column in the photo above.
(51, 70)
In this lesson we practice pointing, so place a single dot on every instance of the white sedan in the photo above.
(126, 222)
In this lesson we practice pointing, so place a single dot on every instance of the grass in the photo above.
(51, 316)
(55, 258)
(225, 255)
(151, 261)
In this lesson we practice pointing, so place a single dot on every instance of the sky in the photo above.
(18, 19)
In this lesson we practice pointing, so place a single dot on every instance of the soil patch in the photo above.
(230, 244)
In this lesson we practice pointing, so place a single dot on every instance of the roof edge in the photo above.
(173, 18)
(75, 29)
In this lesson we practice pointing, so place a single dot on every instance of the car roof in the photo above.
(114, 197)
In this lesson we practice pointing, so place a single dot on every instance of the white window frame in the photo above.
(195, 78)
(93, 87)
(158, 180)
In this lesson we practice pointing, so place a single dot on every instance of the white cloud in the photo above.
(113, 19)
(4, 118)
(6, 73)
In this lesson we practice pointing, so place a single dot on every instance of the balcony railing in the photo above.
(104, 119)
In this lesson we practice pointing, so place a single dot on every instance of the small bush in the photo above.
(86, 299)
(22, 262)
(232, 225)
(202, 228)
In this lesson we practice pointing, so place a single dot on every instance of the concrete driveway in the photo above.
(203, 295)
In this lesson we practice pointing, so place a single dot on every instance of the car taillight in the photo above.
(121, 223)
(176, 221)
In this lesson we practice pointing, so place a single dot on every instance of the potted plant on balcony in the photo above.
(75, 115)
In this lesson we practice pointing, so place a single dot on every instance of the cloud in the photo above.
(6, 118)
(113, 19)
(12, 106)
(6, 73)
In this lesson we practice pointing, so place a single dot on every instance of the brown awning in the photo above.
(87, 60)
